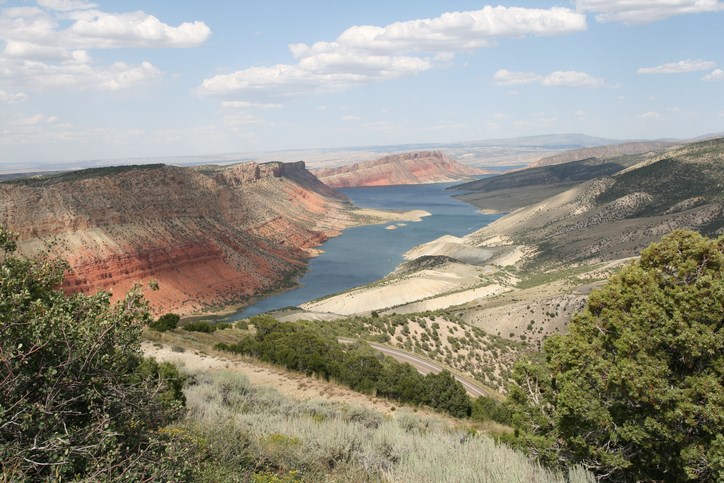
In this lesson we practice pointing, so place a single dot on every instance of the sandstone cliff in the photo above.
(407, 168)
(211, 236)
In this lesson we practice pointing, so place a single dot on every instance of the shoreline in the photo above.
(362, 217)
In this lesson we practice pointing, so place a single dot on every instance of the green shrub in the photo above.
(165, 323)
(77, 399)
(635, 390)
(306, 347)
(488, 409)
(201, 326)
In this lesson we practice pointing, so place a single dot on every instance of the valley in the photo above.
(570, 227)
(427, 339)
(341, 242)
(210, 236)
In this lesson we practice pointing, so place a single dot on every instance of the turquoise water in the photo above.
(367, 253)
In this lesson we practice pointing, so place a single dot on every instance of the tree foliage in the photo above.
(77, 399)
(304, 347)
(635, 391)
(165, 323)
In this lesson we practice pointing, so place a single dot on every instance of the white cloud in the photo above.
(450, 32)
(363, 54)
(715, 75)
(40, 75)
(249, 105)
(35, 130)
(680, 67)
(351, 118)
(12, 98)
(651, 115)
(504, 77)
(559, 78)
(323, 73)
(645, 11)
(572, 79)
(96, 29)
(49, 46)
(119, 75)
(31, 51)
(36, 119)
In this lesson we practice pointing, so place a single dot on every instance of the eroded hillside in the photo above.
(407, 168)
(615, 216)
(210, 236)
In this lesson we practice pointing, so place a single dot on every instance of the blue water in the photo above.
(367, 253)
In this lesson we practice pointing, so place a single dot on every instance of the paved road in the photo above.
(425, 366)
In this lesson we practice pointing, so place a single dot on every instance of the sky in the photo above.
(84, 80)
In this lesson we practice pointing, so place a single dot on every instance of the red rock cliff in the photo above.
(211, 236)
(407, 168)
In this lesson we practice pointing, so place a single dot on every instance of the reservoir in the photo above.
(364, 254)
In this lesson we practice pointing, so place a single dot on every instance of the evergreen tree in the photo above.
(635, 391)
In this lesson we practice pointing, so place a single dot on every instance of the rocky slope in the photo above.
(604, 152)
(615, 216)
(210, 236)
(516, 189)
(407, 168)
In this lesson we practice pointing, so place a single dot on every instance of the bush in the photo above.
(488, 409)
(77, 399)
(635, 391)
(305, 347)
(165, 323)
(202, 326)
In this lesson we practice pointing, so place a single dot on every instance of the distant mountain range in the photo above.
(480, 151)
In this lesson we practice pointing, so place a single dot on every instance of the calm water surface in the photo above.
(367, 253)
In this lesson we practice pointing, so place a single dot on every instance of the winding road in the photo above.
(425, 366)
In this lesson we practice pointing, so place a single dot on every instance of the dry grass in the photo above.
(246, 430)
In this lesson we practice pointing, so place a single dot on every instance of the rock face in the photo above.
(407, 168)
(210, 236)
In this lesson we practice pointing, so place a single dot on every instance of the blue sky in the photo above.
(117, 79)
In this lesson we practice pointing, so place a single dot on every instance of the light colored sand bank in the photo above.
(425, 284)
(451, 246)
(445, 301)
(386, 216)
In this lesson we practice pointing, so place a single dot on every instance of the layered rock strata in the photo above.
(210, 236)
(407, 168)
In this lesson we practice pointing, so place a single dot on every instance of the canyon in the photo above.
(568, 227)
(407, 168)
(210, 236)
